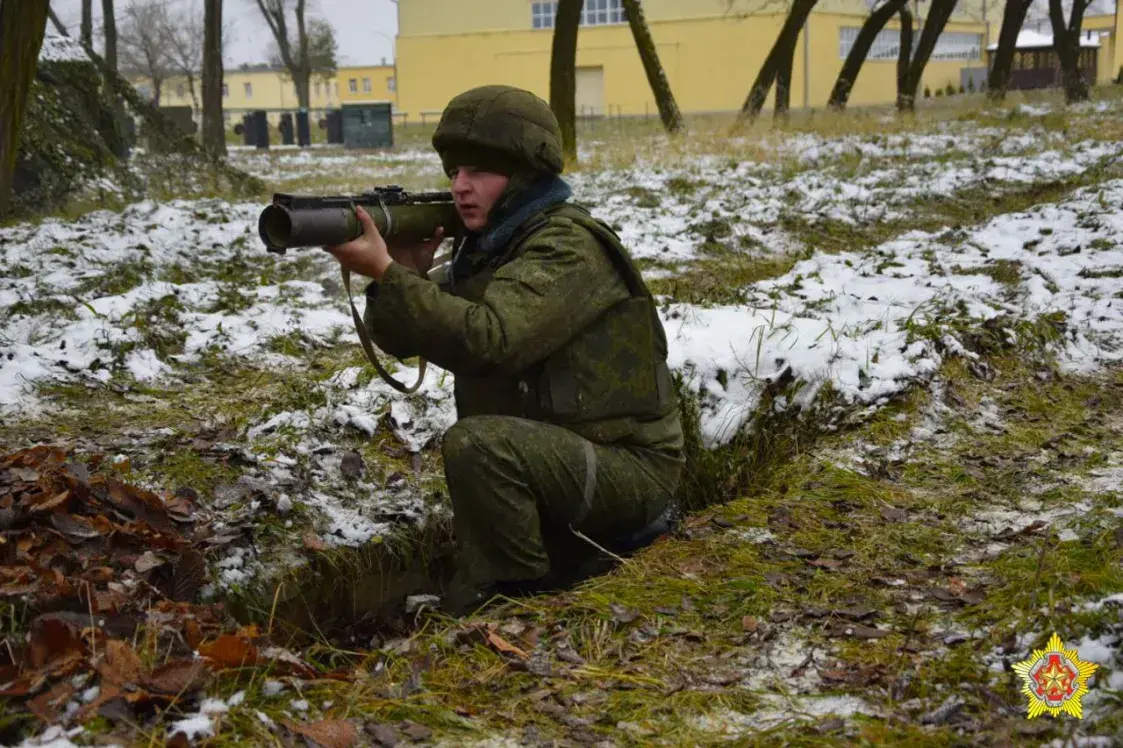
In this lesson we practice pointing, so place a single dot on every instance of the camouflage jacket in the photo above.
(555, 326)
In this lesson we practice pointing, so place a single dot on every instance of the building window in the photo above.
(594, 13)
(353, 85)
(225, 90)
(247, 88)
(951, 45)
(886, 44)
(391, 84)
(366, 85)
(958, 45)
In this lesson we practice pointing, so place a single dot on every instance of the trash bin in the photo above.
(368, 126)
(334, 119)
(303, 133)
(286, 128)
(259, 127)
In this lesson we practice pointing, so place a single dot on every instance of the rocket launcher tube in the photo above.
(403, 218)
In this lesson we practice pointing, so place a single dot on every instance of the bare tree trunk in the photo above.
(848, 76)
(938, 14)
(784, 83)
(1066, 42)
(904, 53)
(783, 46)
(56, 22)
(21, 36)
(563, 73)
(656, 77)
(214, 130)
(998, 79)
(303, 75)
(299, 66)
(109, 23)
(86, 31)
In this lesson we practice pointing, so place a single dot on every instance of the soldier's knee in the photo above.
(467, 443)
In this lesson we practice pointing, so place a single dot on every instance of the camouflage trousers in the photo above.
(518, 486)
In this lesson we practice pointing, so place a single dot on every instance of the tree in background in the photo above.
(109, 26)
(310, 47)
(875, 22)
(904, 51)
(1066, 43)
(656, 77)
(183, 34)
(214, 130)
(144, 44)
(563, 73)
(779, 58)
(22, 26)
(938, 15)
(86, 29)
(1013, 17)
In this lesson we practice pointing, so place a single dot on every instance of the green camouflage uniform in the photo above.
(567, 415)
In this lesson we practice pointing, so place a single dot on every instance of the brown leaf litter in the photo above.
(102, 568)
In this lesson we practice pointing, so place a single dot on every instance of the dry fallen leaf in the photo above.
(230, 651)
(190, 575)
(825, 563)
(312, 541)
(120, 665)
(147, 562)
(329, 733)
(51, 503)
(178, 676)
(749, 624)
(503, 646)
(46, 705)
(52, 637)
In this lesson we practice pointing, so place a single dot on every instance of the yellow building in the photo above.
(249, 88)
(367, 84)
(711, 51)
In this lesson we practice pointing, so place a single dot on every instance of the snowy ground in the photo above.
(149, 295)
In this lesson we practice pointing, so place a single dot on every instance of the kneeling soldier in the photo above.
(568, 420)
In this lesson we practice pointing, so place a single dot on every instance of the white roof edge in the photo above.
(1029, 39)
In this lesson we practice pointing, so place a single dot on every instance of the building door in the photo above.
(590, 92)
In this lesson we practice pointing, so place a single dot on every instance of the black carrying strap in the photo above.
(368, 345)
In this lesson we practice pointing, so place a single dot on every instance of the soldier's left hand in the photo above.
(366, 255)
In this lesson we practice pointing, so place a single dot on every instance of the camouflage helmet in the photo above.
(500, 128)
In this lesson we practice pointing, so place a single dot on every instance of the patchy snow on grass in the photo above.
(778, 710)
(667, 213)
(378, 168)
(869, 323)
(91, 298)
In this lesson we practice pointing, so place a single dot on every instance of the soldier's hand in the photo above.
(420, 257)
(366, 255)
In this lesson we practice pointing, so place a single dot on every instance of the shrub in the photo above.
(927, 92)
(949, 89)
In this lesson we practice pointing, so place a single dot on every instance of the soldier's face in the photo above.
(475, 192)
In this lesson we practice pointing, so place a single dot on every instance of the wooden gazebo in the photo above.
(1036, 64)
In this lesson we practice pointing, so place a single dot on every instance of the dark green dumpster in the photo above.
(367, 126)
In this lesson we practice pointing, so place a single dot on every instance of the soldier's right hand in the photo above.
(419, 258)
